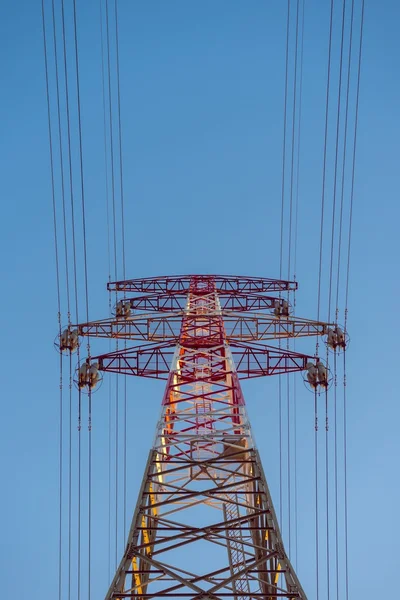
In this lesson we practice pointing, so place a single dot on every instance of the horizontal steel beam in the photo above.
(223, 283)
(176, 300)
(251, 360)
(202, 330)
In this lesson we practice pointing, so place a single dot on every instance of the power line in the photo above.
(61, 161)
(79, 492)
(81, 160)
(284, 137)
(103, 67)
(344, 153)
(293, 138)
(295, 271)
(324, 163)
(86, 300)
(354, 150)
(336, 157)
(123, 254)
(281, 263)
(56, 254)
(116, 465)
(90, 494)
(327, 494)
(120, 142)
(316, 493)
(289, 265)
(347, 292)
(111, 144)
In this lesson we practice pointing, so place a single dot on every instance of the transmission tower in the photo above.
(204, 526)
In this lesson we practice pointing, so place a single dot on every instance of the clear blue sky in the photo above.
(202, 107)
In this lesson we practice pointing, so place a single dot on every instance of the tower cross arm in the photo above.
(219, 283)
(176, 300)
(251, 360)
(255, 326)
(165, 326)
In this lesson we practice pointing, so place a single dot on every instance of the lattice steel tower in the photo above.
(204, 526)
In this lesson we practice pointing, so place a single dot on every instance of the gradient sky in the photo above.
(202, 106)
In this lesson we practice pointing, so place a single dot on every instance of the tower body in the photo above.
(204, 525)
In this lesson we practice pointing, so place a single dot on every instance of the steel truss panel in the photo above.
(167, 302)
(204, 526)
(238, 326)
(251, 360)
(218, 283)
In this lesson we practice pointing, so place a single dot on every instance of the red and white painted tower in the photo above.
(204, 524)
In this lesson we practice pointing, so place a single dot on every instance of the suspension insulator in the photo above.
(69, 340)
(277, 308)
(83, 375)
(332, 339)
(93, 375)
(341, 338)
(312, 375)
(285, 308)
(122, 309)
(322, 374)
(337, 338)
(88, 376)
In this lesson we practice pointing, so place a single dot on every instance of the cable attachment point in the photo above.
(122, 309)
(88, 376)
(337, 339)
(281, 308)
(67, 341)
(317, 375)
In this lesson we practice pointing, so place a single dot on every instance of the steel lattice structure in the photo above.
(204, 524)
